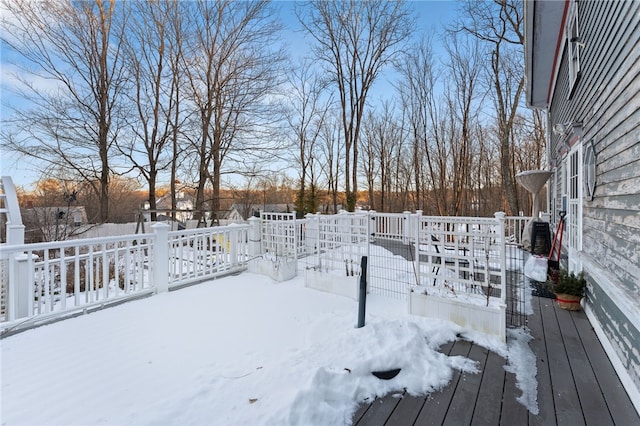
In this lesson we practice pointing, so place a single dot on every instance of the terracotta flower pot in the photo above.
(568, 301)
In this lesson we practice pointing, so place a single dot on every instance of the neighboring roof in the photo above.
(544, 24)
(42, 213)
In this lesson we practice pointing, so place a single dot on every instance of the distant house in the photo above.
(583, 69)
(184, 205)
(53, 223)
(232, 215)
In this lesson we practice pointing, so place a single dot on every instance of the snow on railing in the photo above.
(203, 253)
(55, 279)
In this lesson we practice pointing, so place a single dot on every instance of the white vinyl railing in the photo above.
(462, 255)
(198, 254)
(391, 226)
(514, 228)
(278, 234)
(336, 243)
(53, 279)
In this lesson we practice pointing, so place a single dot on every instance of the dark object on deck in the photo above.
(541, 289)
(553, 271)
(362, 297)
(387, 374)
(540, 238)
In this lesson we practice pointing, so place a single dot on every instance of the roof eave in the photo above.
(544, 24)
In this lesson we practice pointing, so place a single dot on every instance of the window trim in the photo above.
(589, 171)
(574, 44)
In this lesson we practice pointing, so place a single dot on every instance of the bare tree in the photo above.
(231, 69)
(499, 24)
(247, 197)
(77, 47)
(355, 40)
(415, 89)
(382, 143)
(464, 68)
(152, 49)
(332, 153)
(305, 119)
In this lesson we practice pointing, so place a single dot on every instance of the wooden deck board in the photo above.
(513, 413)
(462, 404)
(437, 404)
(565, 396)
(489, 402)
(546, 410)
(407, 410)
(576, 383)
(617, 399)
(594, 407)
(379, 411)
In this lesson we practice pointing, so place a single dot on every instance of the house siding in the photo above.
(607, 102)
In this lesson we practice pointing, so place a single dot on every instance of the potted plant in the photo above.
(569, 290)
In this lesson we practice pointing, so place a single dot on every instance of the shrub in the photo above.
(570, 283)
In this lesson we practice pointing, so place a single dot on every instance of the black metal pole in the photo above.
(362, 297)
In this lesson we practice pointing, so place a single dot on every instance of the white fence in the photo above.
(55, 279)
(199, 254)
(278, 234)
(462, 254)
(335, 244)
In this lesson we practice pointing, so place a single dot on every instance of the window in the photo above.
(574, 201)
(574, 45)
(589, 171)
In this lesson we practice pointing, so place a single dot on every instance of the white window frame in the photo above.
(574, 165)
(574, 44)
(589, 171)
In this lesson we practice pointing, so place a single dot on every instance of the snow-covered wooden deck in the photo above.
(576, 383)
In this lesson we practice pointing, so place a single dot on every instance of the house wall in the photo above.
(607, 102)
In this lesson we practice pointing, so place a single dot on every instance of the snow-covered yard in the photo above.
(237, 350)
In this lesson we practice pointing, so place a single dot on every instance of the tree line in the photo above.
(207, 92)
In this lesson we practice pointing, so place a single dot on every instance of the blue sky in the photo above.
(430, 17)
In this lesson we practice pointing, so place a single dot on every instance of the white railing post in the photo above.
(415, 234)
(21, 292)
(406, 227)
(254, 237)
(295, 236)
(233, 247)
(318, 233)
(161, 257)
(370, 239)
(500, 216)
(15, 235)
